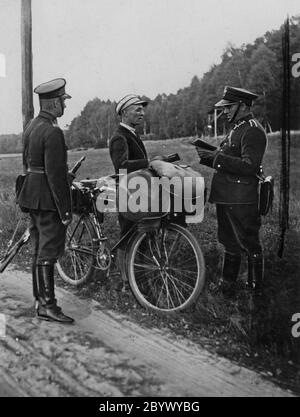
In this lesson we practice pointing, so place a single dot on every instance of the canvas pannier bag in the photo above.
(162, 189)
(192, 183)
(138, 199)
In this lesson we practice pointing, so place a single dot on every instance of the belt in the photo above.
(36, 170)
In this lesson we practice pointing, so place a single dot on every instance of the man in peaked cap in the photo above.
(46, 195)
(234, 188)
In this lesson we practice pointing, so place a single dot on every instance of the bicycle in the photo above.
(165, 264)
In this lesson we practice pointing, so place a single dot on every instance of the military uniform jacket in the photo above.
(46, 185)
(237, 164)
(127, 151)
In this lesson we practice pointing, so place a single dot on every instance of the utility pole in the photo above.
(216, 122)
(26, 42)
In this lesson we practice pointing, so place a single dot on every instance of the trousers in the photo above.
(48, 236)
(238, 228)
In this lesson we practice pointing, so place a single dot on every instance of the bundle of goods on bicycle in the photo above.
(80, 199)
(107, 196)
(190, 188)
(162, 188)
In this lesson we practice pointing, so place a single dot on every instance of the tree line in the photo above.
(255, 66)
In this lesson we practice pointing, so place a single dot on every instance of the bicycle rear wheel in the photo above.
(166, 268)
(77, 265)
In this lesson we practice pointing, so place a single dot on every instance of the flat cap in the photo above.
(129, 100)
(52, 89)
(234, 95)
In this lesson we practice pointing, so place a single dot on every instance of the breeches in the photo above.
(238, 228)
(48, 236)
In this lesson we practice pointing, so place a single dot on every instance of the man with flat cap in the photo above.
(46, 195)
(234, 188)
(128, 152)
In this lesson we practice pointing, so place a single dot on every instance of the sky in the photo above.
(110, 48)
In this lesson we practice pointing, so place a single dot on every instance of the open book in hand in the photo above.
(199, 143)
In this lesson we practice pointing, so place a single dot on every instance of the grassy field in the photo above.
(258, 336)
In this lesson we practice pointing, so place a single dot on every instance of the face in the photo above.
(134, 115)
(230, 111)
(62, 105)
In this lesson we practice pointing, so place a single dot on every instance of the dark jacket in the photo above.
(237, 163)
(45, 153)
(127, 151)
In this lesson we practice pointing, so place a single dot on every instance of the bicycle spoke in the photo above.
(148, 267)
(174, 244)
(177, 288)
(184, 262)
(84, 251)
(183, 283)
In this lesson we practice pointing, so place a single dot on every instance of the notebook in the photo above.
(204, 145)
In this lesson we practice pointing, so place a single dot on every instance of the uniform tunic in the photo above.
(46, 190)
(234, 186)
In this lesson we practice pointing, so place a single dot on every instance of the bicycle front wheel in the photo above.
(166, 268)
(77, 265)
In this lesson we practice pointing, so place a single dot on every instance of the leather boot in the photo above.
(47, 308)
(255, 272)
(231, 269)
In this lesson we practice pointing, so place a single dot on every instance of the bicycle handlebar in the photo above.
(77, 165)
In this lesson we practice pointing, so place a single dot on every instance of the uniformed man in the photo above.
(46, 195)
(234, 188)
(128, 152)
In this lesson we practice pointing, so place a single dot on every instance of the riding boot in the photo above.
(255, 272)
(47, 308)
(231, 269)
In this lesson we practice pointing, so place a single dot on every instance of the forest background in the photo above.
(255, 66)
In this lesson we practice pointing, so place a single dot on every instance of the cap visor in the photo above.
(66, 96)
(224, 103)
(143, 103)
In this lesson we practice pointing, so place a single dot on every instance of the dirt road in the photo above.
(105, 354)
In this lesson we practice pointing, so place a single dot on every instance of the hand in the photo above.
(71, 177)
(204, 153)
(66, 222)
